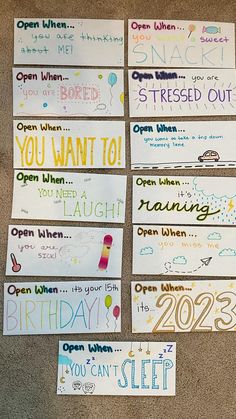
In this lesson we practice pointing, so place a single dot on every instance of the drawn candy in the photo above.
(211, 29)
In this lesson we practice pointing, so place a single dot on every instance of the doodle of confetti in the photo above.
(149, 319)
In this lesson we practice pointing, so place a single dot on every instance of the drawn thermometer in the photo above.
(106, 248)
(16, 267)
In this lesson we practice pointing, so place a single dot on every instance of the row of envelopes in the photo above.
(190, 71)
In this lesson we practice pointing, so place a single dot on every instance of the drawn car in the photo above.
(209, 155)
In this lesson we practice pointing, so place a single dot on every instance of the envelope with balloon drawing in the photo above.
(67, 92)
(45, 308)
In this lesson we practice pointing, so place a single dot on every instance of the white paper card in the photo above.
(183, 306)
(89, 42)
(179, 92)
(69, 196)
(116, 368)
(69, 144)
(67, 92)
(181, 43)
(182, 145)
(40, 308)
(174, 250)
(184, 200)
(64, 251)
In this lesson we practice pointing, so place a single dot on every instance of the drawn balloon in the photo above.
(112, 79)
(108, 301)
(116, 314)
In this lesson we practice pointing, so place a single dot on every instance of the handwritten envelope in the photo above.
(89, 42)
(73, 144)
(40, 308)
(116, 368)
(69, 196)
(179, 92)
(183, 306)
(182, 145)
(64, 251)
(174, 250)
(181, 43)
(184, 200)
(67, 92)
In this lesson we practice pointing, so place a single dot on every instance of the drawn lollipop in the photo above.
(191, 29)
(112, 79)
(108, 303)
(116, 314)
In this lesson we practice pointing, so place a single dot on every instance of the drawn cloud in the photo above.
(146, 251)
(180, 260)
(212, 188)
(214, 236)
(227, 252)
(64, 360)
(68, 251)
(90, 236)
